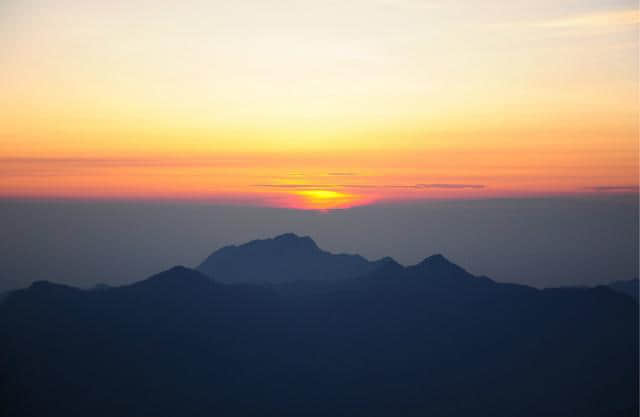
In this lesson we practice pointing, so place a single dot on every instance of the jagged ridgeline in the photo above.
(278, 327)
(285, 258)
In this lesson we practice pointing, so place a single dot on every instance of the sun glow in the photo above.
(326, 200)
(316, 105)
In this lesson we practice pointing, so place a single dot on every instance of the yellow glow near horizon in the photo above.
(224, 101)
(325, 199)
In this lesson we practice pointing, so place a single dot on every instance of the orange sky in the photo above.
(319, 106)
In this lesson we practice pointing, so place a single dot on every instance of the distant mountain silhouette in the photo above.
(426, 340)
(101, 287)
(437, 268)
(285, 258)
(630, 287)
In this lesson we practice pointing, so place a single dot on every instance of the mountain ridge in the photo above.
(426, 339)
(629, 287)
(286, 257)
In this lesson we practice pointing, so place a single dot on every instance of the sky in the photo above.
(318, 104)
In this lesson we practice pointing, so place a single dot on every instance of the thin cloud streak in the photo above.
(301, 186)
(414, 186)
(450, 186)
(633, 188)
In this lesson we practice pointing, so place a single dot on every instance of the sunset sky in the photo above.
(317, 104)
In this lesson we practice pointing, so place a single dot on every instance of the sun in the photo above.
(326, 199)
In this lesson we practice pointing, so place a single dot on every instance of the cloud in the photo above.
(606, 188)
(302, 186)
(341, 174)
(379, 186)
(450, 186)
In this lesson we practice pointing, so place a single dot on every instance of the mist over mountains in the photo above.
(540, 242)
(291, 330)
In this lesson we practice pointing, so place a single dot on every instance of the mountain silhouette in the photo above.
(630, 287)
(428, 339)
(285, 258)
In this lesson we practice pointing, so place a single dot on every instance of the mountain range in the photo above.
(285, 258)
(286, 329)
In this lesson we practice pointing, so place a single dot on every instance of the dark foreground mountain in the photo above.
(287, 257)
(427, 340)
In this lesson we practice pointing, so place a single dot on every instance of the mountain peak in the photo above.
(179, 269)
(180, 272)
(285, 258)
(439, 266)
(387, 268)
(176, 277)
(293, 239)
(387, 260)
(289, 236)
(48, 288)
(436, 259)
